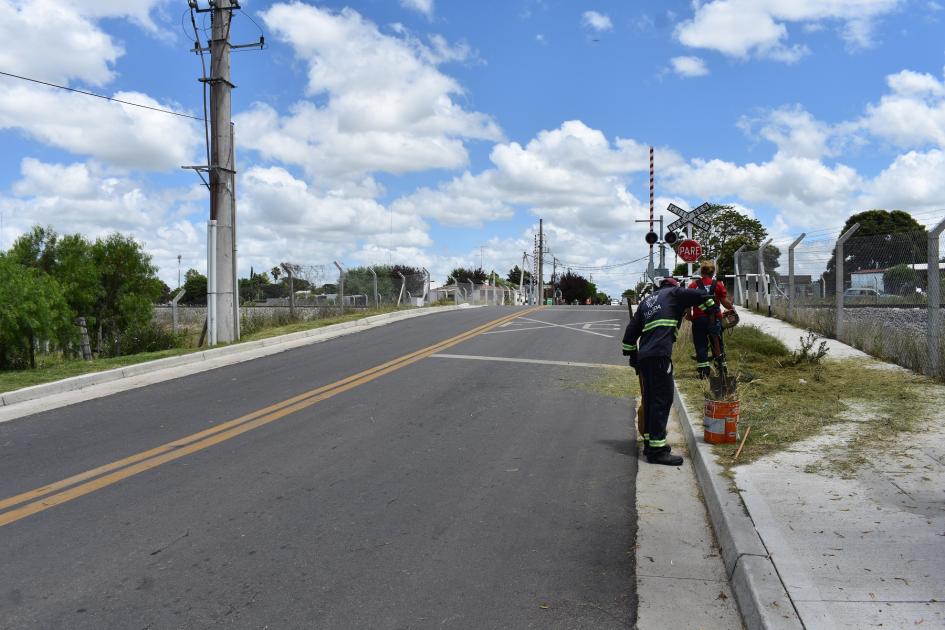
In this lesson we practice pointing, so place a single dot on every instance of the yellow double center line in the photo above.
(83, 483)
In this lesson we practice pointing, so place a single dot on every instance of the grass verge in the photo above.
(786, 403)
(52, 367)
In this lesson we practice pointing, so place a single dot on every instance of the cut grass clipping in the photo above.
(788, 397)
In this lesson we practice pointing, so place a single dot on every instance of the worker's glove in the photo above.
(634, 359)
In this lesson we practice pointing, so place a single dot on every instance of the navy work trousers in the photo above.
(656, 375)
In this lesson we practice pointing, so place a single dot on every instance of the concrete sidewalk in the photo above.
(860, 552)
(681, 578)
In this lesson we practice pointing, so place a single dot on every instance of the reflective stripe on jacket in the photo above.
(652, 331)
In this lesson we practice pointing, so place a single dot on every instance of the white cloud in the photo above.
(912, 115)
(423, 6)
(689, 66)
(572, 175)
(913, 181)
(31, 31)
(125, 136)
(379, 101)
(596, 21)
(807, 188)
(740, 28)
(88, 198)
(794, 131)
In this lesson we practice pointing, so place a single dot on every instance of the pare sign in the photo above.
(689, 250)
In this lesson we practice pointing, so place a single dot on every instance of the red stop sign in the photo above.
(689, 250)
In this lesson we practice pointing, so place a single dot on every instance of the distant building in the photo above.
(868, 279)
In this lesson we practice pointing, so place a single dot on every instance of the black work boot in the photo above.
(664, 457)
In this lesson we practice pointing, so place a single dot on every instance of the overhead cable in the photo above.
(107, 98)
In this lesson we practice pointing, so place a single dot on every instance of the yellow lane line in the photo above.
(176, 444)
(129, 466)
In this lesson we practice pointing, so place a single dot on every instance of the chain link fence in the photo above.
(880, 293)
(293, 292)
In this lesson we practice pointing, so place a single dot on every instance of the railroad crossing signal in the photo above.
(690, 217)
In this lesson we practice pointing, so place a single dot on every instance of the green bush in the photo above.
(150, 337)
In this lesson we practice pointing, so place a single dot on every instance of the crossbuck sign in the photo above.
(689, 217)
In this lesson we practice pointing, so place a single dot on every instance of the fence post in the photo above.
(84, 335)
(838, 269)
(174, 302)
(762, 285)
(374, 273)
(935, 298)
(472, 287)
(403, 285)
(288, 270)
(790, 307)
(740, 298)
(341, 287)
(426, 284)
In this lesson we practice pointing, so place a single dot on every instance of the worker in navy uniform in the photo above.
(648, 341)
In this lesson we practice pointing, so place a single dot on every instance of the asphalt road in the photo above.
(440, 492)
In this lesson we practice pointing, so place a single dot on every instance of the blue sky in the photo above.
(423, 130)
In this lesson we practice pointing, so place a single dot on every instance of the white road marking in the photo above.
(585, 326)
(472, 357)
(568, 326)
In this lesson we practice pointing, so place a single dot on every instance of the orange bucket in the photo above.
(721, 421)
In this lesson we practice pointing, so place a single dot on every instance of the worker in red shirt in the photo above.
(700, 321)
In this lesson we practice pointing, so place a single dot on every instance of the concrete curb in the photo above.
(761, 596)
(315, 335)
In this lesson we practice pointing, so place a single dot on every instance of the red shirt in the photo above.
(705, 283)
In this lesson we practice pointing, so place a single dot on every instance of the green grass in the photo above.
(311, 324)
(784, 404)
(51, 367)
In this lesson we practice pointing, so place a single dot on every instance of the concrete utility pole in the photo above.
(554, 276)
(222, 171)
(541, 261)
(521, 273)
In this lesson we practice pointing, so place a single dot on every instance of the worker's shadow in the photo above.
(624, 447)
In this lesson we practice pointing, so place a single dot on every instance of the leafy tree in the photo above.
(129, 284)
(251, 288)
(901, 279)
(67, 259)
(885, 239)
(195, 288)
(32, 309)
(630, 294)
(575, 287)
(463, 275)
(729, 229)
(515, 272)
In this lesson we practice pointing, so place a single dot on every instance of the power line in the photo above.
(107, 98)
